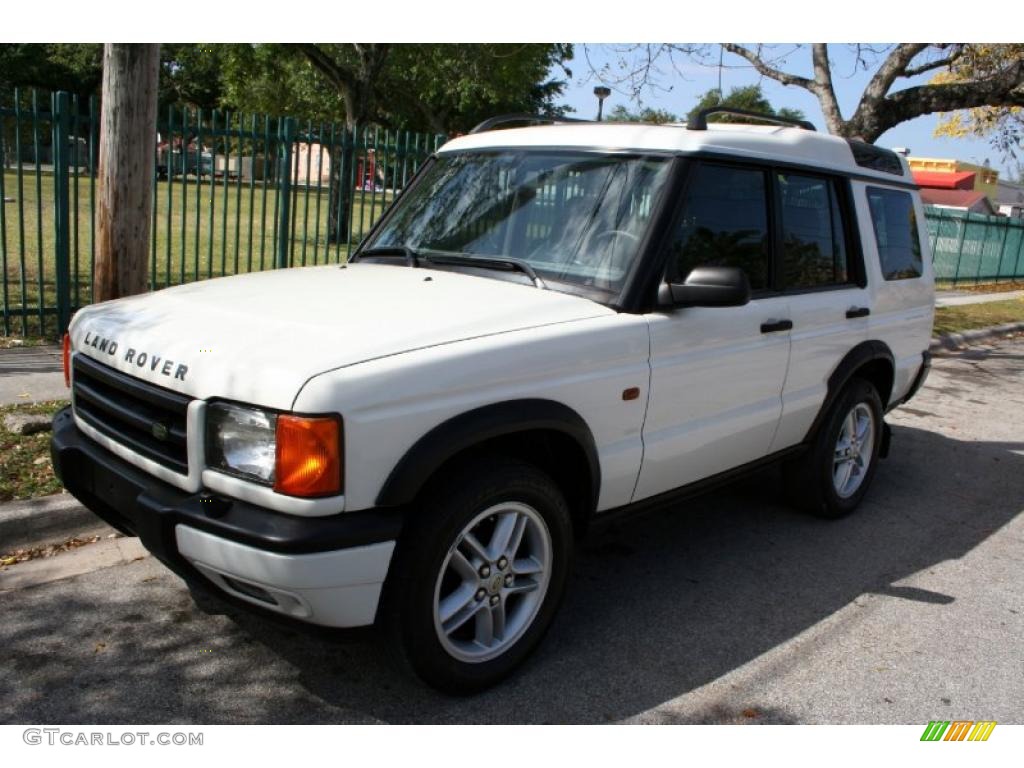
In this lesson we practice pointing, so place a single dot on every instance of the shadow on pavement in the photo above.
(657, 606)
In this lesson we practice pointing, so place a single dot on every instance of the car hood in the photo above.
(259, 337)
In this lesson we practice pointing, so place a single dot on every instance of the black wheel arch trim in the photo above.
(477, 426)
(862, 354)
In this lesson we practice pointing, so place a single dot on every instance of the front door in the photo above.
(717, 373)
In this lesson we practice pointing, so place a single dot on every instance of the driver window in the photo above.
(724, 224)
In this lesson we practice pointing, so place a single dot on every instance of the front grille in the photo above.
(146, 419)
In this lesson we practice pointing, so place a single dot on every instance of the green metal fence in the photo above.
(973, 248)
(232, 193)
(236, 193)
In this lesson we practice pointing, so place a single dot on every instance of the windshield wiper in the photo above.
(502, 262)
(412, 258)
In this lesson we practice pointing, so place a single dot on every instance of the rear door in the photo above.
(821, 270)
(716, 372)
(900, 264)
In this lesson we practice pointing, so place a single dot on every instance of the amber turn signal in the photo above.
(308, 456)
(66, 359)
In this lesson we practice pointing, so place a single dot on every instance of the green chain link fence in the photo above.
(974, 248)
(232, 193)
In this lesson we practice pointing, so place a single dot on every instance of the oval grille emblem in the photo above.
(159, 431)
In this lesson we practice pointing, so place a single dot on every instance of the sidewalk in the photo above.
(31, 374)
(959, 298)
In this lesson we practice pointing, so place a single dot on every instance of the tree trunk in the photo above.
(341, 194)
(127, 148)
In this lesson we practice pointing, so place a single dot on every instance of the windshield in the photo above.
(574, 217)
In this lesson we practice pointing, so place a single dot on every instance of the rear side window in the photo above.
(813, 238)
(725, 224)
(899, 247)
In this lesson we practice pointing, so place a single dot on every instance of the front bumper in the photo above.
(324, 570)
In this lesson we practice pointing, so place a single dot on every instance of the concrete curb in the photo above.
(953, 341)
(44, 520)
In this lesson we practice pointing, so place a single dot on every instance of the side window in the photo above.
(813, 238)
(725, 224)
(899, 247)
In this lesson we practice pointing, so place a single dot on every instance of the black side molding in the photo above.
(477, 426)
(857, 312)
(864, 353)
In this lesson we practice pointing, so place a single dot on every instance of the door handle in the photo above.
(857, 312)
(776, 325)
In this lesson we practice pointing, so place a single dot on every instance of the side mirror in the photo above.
(708, 287)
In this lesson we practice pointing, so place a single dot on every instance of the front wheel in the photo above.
(833, 476)
(479, 573)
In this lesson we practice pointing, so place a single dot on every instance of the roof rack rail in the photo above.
(493, 122)
(700, 122)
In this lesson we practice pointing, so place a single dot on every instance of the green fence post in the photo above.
(1002, 248)
(60, 122)
(1020, 252)
(981, 255)
(960, 247)
(286, 137)
(937, 218)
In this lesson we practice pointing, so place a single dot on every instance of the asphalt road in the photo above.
(730, 609)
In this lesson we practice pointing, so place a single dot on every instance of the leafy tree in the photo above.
(443, 88)
(52, 67)
(440, 87)
(621, 114)
(276, 79)
(747, 97)
(450, 88)
(1004, 125)
(192, 75)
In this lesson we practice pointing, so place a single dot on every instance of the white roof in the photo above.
(763, 142)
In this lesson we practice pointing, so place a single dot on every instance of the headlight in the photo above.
(241, 441)
(297, 455)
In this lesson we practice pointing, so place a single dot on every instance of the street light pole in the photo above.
(602, 92)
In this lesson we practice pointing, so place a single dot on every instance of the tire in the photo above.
(817, 482)
(459, 610)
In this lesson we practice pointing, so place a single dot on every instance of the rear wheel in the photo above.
(479, 574)
(831, 479)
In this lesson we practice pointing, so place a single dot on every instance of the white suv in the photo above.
(551, 323)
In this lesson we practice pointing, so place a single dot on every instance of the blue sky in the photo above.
(681, 86)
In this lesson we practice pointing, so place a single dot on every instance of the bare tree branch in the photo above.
(1005, 89)
(767, 70)
(936, 64)
(894, 66)
(823, 88)
(879, 108)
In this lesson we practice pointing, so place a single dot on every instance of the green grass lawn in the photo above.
(202, 228)
(970, 316)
